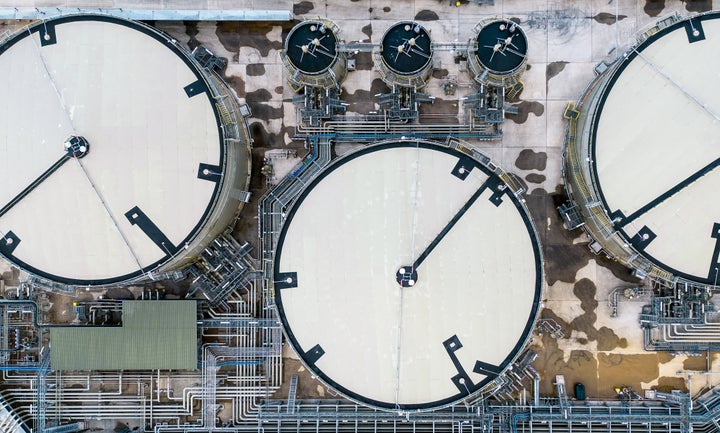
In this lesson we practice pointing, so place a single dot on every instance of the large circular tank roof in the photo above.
(406, 48)
(310, 47)
(655, 152)
(407, 275)
(501, 46)
(110, 151)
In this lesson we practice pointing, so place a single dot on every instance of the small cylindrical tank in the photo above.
(497, 53)
(311, 57)
(405, 56)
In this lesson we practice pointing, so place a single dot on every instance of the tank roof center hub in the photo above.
(76, 146)
(406, 276)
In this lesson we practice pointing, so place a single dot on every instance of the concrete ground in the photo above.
(567, 38)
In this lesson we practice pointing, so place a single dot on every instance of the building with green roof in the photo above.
(154, 335)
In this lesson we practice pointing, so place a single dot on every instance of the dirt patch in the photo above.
(581, 366)
(524, 109)
(302, 8)
(426, 15)
(609, 19)
(626, 370)
(528, 159)
(697, 5)
(255, 70)
(307, 386)
(279, 90)
(535, 178)
(698, 363)
(654, 7)
(386, 9)
(669, 384)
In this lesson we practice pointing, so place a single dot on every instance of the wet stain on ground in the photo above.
(363, 101)
(260, 95)
(553, 69)
(237, 84)
(585, 291)
(279, 90)
(256, 100)
(386, 9)
(255, 69)
(535, 178)
(367, 30)
(563, 263)
(303, 7)
(606, 18)
(261, 138)
(363, 62)
(670, 384)
(426, 15)
(563, 258)
(524, 109)
(528, 159)
(697, 5)
(653, 8)
(191, 29)
(232, 35)
(440, 73)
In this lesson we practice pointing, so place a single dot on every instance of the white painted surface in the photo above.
(355, 230)
(124, 92)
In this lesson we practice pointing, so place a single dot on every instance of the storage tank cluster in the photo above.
(496, 55)
(120, 158)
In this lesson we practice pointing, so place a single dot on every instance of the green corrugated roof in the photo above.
(155, 335)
